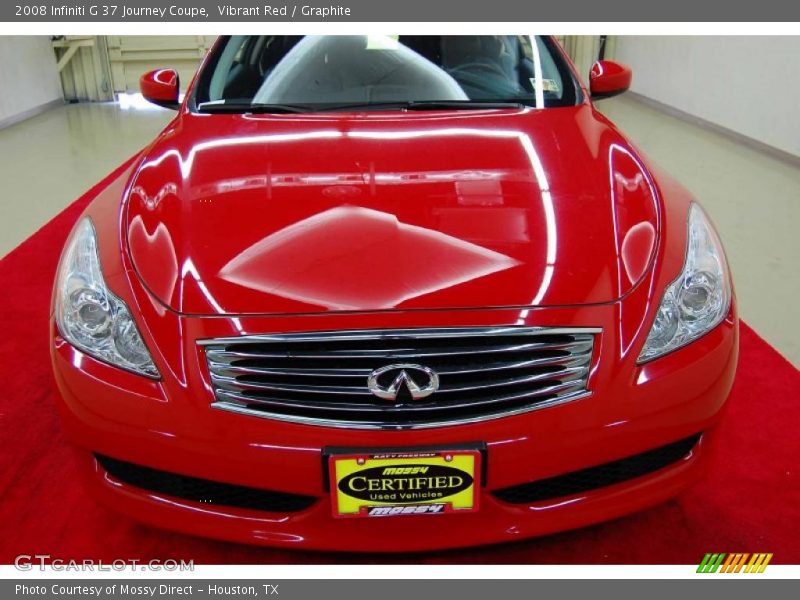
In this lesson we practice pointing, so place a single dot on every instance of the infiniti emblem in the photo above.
(388, 381)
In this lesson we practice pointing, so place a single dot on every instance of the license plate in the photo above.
(404, 483)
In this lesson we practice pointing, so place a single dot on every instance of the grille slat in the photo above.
(567, 386)
(245, 384)
(569, 360)
(232, 383)
(522, 379)
(229, 370)
(401, 353)
(321, 378)
(232, 369)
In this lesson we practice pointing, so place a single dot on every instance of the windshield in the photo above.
(370, 72)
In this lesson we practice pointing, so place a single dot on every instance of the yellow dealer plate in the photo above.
(410, 483)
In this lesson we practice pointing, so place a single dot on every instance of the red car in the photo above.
(390, 293)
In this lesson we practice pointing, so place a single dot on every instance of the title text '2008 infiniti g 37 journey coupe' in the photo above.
(390, 293)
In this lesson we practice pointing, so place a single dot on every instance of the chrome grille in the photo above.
(320, 378)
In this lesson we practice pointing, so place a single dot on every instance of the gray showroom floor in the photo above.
(50, 160)
(754, 199)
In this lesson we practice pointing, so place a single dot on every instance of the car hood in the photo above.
(256, 214)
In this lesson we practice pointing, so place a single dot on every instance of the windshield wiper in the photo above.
(461, 105)
(246, 107)
(426, 105)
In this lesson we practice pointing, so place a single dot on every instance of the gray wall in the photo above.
(28, 77)
(750, 85)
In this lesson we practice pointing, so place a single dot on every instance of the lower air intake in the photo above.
(600, 476)
(202, 490)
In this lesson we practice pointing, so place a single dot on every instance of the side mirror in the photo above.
(608, 78)
(161, 87)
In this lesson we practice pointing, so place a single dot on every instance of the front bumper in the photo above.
(168, 425)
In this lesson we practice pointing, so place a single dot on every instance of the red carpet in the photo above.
(749, 503)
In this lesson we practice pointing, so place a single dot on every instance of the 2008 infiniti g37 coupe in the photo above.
(390, 293)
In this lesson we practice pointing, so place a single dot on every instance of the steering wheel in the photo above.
(484, 67)
(484, 77)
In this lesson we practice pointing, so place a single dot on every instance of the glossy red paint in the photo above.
(160, 87)
(232, 224)
(609, 78)
(390, 185)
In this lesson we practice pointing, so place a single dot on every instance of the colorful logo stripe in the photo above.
(735, 562)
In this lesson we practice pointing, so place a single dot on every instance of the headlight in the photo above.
(89, 316)
(698, 300)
